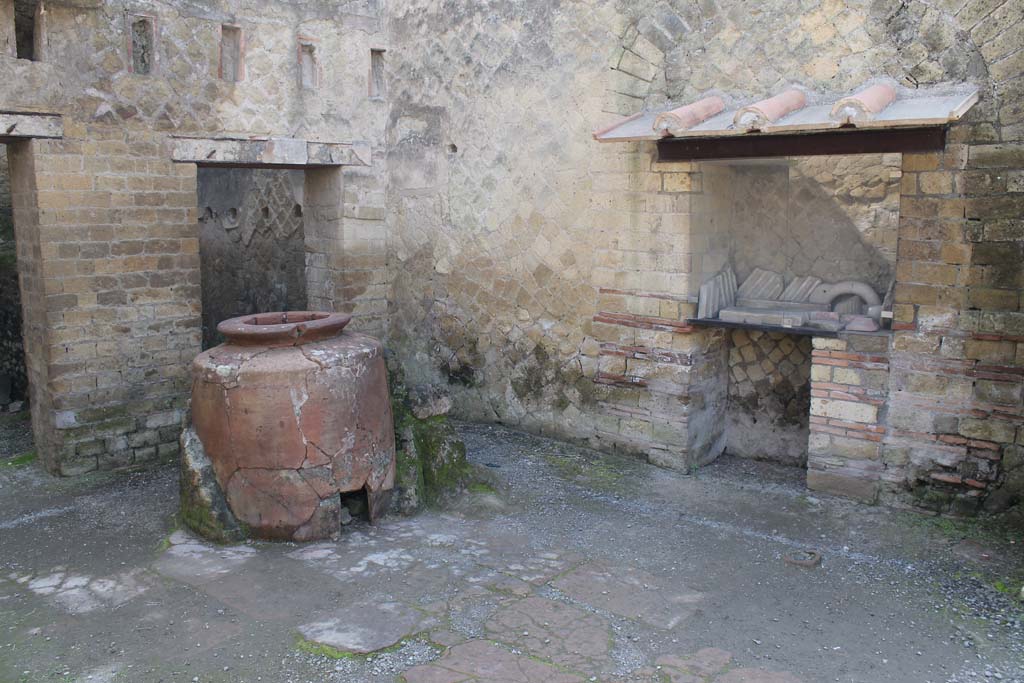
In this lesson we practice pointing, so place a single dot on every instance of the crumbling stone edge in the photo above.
(204, 508)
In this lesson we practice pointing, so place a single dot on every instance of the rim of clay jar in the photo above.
(283, 327)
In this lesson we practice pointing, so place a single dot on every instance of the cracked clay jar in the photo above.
(292, 412)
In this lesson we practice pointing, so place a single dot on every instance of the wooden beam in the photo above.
(752, 146)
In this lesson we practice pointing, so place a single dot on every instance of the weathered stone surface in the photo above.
(863, 489)
(630, 593)
(556, 632)
(203, 506)
(431, 458)
(761, 284)
(285, 152)
(252, 251)
(757, 676)
(769, 395)
(429, 401)
(705, 662)
(368, 627)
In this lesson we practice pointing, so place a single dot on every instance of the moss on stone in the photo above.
(203, 508)
(19, 460)
(431, 458)
(11, 419)
(321, 650)
(442, 456)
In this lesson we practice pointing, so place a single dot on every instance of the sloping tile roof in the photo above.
(880, 105)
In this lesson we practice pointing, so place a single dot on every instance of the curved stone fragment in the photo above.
(826, 293)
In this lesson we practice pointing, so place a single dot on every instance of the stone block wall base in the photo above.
(864, 490)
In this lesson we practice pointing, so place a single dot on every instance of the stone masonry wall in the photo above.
(849, 394)
(545, 277)
(528, 260)
(107, 225)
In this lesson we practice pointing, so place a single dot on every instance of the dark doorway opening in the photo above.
(251, 244)
(15, 421)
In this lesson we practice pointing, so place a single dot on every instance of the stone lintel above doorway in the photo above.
(268, 152)
(16, 125)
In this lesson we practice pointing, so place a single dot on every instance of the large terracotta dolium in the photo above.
(292, 412)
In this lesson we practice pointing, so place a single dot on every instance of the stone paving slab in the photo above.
(367, 627)
(555, 632)
(630, 593)
(479, 660)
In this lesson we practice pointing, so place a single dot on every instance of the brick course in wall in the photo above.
(849, 389)
(660, 392)
(118, 294)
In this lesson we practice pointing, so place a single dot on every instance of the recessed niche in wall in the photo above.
(231, 67)
(377, 73)
(13, 373)
(308, 65)
(782, 228)
(142, 43)
(803, 243)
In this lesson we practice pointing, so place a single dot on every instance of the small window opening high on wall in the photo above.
(308, 65)
(27, 29)
(142, 44)
(230, 53)
(376, 73)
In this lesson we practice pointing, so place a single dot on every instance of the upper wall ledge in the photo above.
(268, 152)
(16, 125)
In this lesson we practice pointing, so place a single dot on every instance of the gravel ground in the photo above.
(97, 585)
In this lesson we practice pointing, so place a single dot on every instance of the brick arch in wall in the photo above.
(676, 51)
(636, 72)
